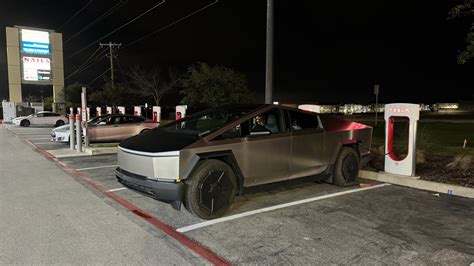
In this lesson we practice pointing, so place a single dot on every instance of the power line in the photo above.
(122, 72)
(117, 29)
(171, 24)
(98, 19)
(83, 64)
(91, 63)
(92, 81)
(75, 15)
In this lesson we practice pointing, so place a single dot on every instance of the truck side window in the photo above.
(301, 120)
(235, 132)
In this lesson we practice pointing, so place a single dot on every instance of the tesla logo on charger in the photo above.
(399, 110)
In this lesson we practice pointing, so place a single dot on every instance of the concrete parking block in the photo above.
(418, 183)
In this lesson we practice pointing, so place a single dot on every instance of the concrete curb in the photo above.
(66, 153)
(98, 151)
(418, 184)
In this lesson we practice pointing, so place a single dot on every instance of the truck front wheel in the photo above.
(210, 190)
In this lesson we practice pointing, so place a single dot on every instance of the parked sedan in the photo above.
(204, 160)
(40, 119)
(107, 128)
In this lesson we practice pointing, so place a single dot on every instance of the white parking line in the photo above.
(31, 131)
(35, 134)
(116, 189)
(272, 208)
(97, 167)
(51, 142)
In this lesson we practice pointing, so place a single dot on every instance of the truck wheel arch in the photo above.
(353, 143)
(226, 156)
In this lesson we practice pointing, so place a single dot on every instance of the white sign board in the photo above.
(36, 68)
(35, 42)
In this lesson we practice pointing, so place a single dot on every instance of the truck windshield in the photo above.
(207, 121)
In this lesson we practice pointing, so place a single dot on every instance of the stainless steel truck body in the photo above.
(205, 159)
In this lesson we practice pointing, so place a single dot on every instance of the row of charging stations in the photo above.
(137, 110)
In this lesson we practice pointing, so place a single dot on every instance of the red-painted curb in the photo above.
(165, 228)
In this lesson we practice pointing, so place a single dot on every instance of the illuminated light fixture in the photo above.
(276, 103)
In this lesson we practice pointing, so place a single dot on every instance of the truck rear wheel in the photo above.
(347, 167)
(210, 190)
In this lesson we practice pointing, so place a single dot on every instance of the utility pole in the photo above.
(111, 56)
(269, 53)
(376, 92)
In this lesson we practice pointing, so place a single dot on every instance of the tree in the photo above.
(72, 94)
(48, 103)
(155, 83)
(463, 10)
(113, 94)
(214, 86)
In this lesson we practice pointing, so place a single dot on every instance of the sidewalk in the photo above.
(47, 217)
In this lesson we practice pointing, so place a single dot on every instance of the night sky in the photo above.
(324, 52)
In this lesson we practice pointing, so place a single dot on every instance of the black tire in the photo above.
(59, 123)
(25, 123)
(346, 169)
(210, 190)
(144, 130)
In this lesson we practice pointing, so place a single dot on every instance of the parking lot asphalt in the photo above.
(382, 224)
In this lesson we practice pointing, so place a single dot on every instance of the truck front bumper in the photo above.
(165, 191)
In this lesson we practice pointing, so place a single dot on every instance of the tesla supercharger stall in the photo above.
(121, 110)
(98, 111)
(137, 110)
(394, 165)
(181, 111)
(108, 110)
(156, 114)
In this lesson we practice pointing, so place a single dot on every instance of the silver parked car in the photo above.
(107, 128)
(204, 160)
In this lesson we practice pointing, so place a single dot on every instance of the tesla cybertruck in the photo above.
(205, 159)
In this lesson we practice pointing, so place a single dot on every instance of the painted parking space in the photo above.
(97, 168)
(361, 227)
(40, 136)
(387, 224)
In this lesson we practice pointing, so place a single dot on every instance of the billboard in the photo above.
(35, 50)
(36, 68)
(35, 42)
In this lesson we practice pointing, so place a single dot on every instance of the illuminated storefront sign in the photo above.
(36, 68)
(35, 42)
(35, 55)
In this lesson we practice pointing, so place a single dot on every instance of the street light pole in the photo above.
(269, 55)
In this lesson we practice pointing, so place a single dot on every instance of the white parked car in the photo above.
(41, 119)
